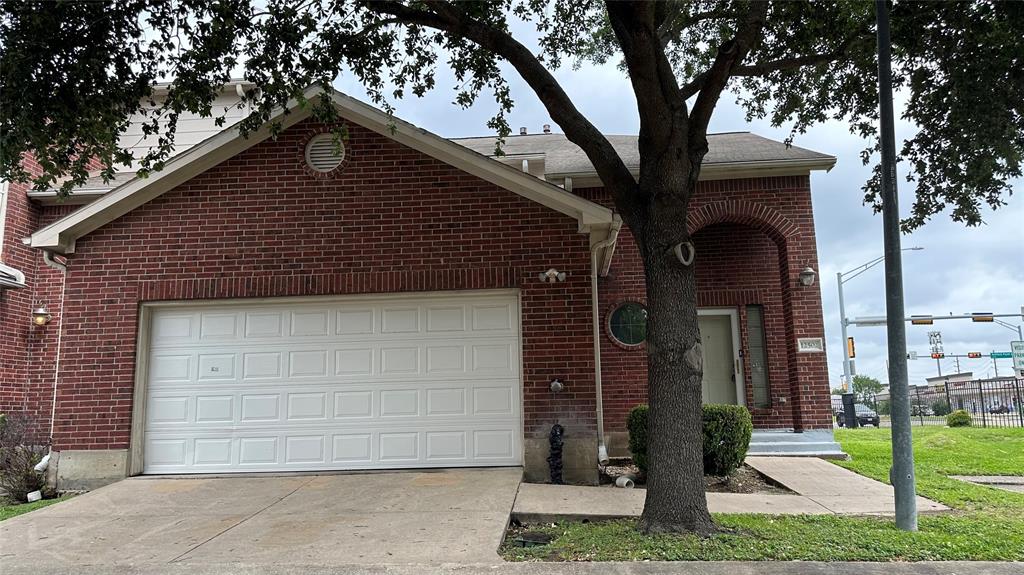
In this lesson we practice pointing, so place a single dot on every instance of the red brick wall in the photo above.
(258, 225)
(753, 236)
(396, 220)
(19, 339)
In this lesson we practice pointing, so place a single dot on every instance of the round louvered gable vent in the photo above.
(322, 155)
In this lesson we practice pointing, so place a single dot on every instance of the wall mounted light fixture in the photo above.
(807, 276)
(552, 275)
(40, 316)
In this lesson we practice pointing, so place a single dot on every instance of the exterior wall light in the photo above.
(807, 276)
(40, 316)
(552, 275)
(557, 386)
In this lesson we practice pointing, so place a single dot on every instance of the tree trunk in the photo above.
(675, 501)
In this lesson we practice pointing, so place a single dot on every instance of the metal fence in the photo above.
(991, 403)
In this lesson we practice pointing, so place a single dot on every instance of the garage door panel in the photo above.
(336, 385)
(402, 360)
(244, 408)
(446, 319)
(213, 326)
(353, 404)
(321, 449)
(313, 322)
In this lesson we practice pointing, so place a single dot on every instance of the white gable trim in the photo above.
(60, 236)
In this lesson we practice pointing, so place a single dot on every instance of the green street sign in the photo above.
(1001, 355)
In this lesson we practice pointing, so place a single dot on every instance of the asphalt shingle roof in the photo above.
(564, 157)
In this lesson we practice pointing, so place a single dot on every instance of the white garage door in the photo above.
(355, 383)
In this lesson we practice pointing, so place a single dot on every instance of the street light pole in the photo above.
(1009, 326)
(902, 472)
(845, 347)
(841, 278)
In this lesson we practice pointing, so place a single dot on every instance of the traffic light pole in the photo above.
(847, 371)
(902, 472)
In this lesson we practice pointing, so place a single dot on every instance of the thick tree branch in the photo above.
(782, 64)
(662, 109)
(730, 55)
(669, 30)
(448, 18)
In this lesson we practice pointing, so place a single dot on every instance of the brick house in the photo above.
(268, 304)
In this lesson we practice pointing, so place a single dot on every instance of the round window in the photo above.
(627, 323)
(323, 154)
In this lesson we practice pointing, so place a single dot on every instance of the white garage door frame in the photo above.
(147, 310)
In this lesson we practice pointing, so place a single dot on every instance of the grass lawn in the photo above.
(987, 524)
(13, 510)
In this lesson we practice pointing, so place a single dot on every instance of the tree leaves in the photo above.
(72, 74)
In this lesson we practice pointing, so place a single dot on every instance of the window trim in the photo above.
(608, 325)
(752, 357)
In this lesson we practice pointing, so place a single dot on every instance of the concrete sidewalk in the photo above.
(610, 568)
(820, 488)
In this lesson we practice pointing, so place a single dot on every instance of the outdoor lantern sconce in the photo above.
(552, 275)
(807, 276)
(557, 386)
(40, 316)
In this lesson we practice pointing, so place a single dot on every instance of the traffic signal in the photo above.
(974, 354)
(982, 317)
(938, 355)
(921, 320)
(851, 350)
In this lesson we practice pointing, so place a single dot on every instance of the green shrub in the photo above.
(941, 407)
(727, 430)
(636, 423)
(959, 418)
(22, 446)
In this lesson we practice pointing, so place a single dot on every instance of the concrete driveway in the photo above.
(447, 516)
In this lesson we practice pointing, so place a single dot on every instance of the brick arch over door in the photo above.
(752, 214)
(795, 251)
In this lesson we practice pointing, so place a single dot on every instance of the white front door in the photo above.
(344, 383)
(722, 381)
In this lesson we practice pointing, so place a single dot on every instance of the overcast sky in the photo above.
(961, 270)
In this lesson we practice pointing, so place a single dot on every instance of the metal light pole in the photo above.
(841, 278)
(902, 472)
(1011, 327)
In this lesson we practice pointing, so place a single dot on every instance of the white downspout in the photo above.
(613, 235)
(63, 269)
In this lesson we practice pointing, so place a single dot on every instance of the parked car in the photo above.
(919, 410)
(865, 416)
(999, 409)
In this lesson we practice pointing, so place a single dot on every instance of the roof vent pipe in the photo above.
(547, 128)
(522, 131)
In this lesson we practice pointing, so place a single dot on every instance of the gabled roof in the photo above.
(729, 154)
(61, 235)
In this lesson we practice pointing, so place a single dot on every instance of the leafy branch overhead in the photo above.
(74, 72)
